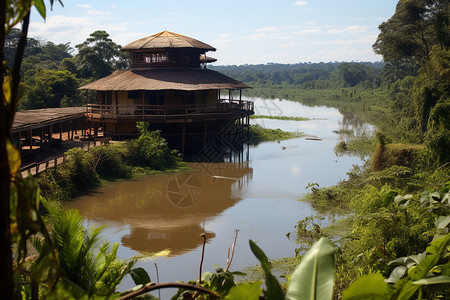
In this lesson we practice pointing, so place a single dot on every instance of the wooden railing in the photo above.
(42, 166)
(163, 111)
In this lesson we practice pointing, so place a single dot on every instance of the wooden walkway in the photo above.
(38, 118)
(52, 162)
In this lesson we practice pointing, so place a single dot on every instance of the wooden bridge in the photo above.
(39, 133)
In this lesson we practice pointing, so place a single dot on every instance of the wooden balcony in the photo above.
(225, 108)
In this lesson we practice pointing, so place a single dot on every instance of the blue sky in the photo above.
(244, 32)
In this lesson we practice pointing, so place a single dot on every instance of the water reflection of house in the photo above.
(169, 211)
(169, 86)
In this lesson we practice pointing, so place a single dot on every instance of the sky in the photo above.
(243, 32)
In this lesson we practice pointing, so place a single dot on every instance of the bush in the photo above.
(109, 162)
(81, 169)
(151, 150)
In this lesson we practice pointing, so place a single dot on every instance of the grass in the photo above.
(260, 134)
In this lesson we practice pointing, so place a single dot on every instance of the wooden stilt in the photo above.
(205, 131)
(30, 138)
(19, 145)
(42, 138)
(118, 129)
(183, 138)
(50, 134)
(60, 132)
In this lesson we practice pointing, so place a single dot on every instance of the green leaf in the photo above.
(140, 276)
(433, 280)
(397, 274)
(434, 253)
(368, 287)
(274, 290)
(66, 289)
(245, 291)
(442, 221)
(389, 197)
(40, 6)
(13, 157)
(314, 277)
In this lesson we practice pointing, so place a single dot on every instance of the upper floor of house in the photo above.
(168, 49)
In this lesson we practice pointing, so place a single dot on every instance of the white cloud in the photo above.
(309, 31)
(62, 29)
(93, 12)
(257, 36)
(113, 5)
(84, 5)
(349, 29)
(268, 29)
(301, 3)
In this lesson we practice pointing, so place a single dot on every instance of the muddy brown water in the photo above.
(258, 197)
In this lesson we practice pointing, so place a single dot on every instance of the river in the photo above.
(258, 197)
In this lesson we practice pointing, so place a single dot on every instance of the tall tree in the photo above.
(99, 56)
(409, 35)
(47, 88)
(33, 46)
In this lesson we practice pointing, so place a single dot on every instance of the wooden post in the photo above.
(204, 135)
(30, 138)
(19, 144)
(60, 132)
(95, 128)
(71, 130)
(183, 138)
(42, 138)
(50, 134)
(118, 129)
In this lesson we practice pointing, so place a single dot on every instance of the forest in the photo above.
(395, 244)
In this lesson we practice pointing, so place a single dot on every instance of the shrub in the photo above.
(109, 162)
(151, 150)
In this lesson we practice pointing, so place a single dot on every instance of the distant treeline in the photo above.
(308, 75)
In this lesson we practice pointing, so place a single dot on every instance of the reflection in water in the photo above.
(168, 211)
(352, 122)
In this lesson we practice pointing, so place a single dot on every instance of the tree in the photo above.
(411, 32)
(99, 56)
(47, 88)
(353, 73)
(33, 46)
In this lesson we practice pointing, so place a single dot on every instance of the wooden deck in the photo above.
(38, 118)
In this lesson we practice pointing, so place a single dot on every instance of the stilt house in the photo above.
(169, 86)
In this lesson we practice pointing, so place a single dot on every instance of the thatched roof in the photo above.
(167, 39)
(165, 79)
(37, 118)
(207, 59)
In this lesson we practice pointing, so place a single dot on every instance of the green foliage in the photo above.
(109, 162)
(47, 88)
(314, 277)
(410, 33)
(151, 150)
(81, 169)
(260, 134)
(98, 56)
(85, 258)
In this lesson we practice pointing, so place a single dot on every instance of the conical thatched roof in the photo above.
(167, 39)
